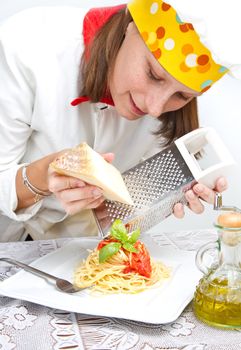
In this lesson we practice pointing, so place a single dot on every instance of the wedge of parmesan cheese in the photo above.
(86, 164)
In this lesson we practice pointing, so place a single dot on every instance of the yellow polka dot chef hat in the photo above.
(175, 44)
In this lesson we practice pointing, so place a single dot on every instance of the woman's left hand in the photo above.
(197, 193)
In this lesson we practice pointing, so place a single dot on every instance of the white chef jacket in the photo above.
(40, 50)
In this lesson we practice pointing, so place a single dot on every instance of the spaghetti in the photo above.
(117, 275)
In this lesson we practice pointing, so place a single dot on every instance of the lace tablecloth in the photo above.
(28, 326)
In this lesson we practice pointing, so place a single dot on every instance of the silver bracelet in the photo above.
(39, 194)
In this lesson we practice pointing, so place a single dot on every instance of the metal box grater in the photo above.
(161, 181)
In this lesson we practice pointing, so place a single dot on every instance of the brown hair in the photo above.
(95, 71)
(178, 123)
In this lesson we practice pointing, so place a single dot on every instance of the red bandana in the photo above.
(93, 21)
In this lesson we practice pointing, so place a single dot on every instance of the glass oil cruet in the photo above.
(217, 299)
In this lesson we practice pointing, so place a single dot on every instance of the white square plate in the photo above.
(158, 305)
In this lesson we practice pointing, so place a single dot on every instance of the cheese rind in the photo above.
(86, 164)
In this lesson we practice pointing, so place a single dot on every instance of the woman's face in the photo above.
(139, 85)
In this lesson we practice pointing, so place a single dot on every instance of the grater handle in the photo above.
(206, 155)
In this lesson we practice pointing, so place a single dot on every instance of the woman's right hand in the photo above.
(74, 194)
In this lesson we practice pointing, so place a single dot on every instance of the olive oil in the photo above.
(216, 304)
(217, 300)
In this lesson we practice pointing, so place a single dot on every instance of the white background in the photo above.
(220, 107)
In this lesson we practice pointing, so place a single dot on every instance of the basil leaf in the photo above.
(108, 250)
(130, 247)
(118, 231)
(134, 236)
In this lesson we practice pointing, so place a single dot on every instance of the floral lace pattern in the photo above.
(27, 326)
(18, 317)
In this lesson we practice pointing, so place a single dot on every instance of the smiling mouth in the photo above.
(135, 109)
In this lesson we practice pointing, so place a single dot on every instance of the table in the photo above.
(28, 326)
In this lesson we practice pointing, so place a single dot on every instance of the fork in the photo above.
(63, 285)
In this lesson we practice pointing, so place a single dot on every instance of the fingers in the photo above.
(178, 211)
(61, 182)
(196, 194)
(221, 185)
(204, 193)
(109, 157)
(194, 205)
(82, 193)
(75, 200)
(72, 208)
(73, 194)
(207, 194)
(194, 202)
